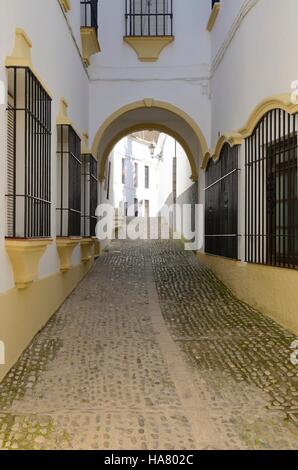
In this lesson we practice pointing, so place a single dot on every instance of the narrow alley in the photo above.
(151, 351)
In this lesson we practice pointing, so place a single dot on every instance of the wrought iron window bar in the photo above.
(69, 182)
(149, 18)
(29, 156)
(89, 196)
(272, 191)
(221, 195)
(89, 14)
(213, 2)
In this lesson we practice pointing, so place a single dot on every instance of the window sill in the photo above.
(213, 16)
(65, 247)
(148, 48)
(25, 255)
(90, 44)
(86, 247)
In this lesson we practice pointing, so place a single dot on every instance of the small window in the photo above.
(149, 18)
(136, 175)
(69, 182)
(29, 156)
(123, 171)
(147, 177)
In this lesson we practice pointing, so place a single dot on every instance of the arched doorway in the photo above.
(151, 114)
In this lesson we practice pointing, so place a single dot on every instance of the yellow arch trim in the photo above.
(149, 103)
(231, 139)
(282, 101)
(148, 126)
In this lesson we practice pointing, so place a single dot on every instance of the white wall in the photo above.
(254, 57)
(250, 54)
(133, 152)
(179, 77)
(57, 62)
(186, 189)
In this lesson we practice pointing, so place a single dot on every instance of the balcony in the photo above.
(89, 29)
(148, 27)
(215, 8)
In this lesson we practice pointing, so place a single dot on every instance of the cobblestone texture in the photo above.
(95, 377)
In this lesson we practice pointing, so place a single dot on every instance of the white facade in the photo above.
(128, 189)
(205, 84)
(123, 188)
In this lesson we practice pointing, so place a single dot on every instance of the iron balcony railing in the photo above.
(149, 18)
(213, 2)
(89, 14)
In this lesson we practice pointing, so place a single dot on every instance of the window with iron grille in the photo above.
(221, 205)
(29, 156)
(89, 195)
(68, 182)
(147, 177)
(89, 14)
(149, 18)
(271, 191)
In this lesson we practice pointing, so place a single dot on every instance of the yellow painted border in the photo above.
(63, 119)
(275, 102)
(231, 139)
(262, 287)
(24, 313)
(148, 49)
(65, 4)
(21, 55)
(213, 16)
(148, 126)
(65, 248)
(25, 256)
(149, 103)
(90, 44)
(282, 102)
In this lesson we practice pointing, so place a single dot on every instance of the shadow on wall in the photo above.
(190, 197)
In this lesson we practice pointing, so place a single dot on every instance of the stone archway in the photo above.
(151, 114)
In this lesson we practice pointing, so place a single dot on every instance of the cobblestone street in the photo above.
(151, 351)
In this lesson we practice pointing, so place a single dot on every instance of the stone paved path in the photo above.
(151, 351)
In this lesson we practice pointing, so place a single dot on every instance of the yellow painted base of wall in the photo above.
(272, 291)
(23, 313)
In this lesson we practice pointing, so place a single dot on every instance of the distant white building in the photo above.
(142, 175)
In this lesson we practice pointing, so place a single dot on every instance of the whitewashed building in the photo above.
(214, 76)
